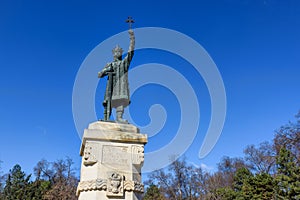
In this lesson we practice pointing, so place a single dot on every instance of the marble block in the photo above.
(112, 158)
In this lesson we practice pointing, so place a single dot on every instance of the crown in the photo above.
(117, 49)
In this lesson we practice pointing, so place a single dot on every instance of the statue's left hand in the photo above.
(100, 74)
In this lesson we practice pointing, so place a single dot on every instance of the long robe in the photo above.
(120, 91)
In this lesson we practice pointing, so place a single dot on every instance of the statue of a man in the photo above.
(117, 90)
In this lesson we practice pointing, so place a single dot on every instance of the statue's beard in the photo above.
(117, 57)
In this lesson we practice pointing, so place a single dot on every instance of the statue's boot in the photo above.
(120, 112)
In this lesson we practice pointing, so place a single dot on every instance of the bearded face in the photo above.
(117, 53)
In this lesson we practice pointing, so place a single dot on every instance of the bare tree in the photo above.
(261, 159)
(43, 170)
(2, 180)
(62, 177)
(227, 168)
(180, 181)
(288, 136)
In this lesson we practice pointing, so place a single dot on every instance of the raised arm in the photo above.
(131, 47)
(132, 40)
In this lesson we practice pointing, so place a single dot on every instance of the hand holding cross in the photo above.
(130, 21)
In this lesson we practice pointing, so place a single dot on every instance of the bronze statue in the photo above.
(117, 91)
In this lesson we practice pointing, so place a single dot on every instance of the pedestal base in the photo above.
(112, 158)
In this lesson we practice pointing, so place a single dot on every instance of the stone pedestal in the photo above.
(112, 158)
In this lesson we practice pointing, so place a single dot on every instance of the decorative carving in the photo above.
(137, 154)
(98, 184)
(133, 186)
(102, 184)
(115, 185)
(89, 157)
(115, 155)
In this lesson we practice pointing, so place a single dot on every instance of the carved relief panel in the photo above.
(90, 154)
(137, 154)
(115, 186)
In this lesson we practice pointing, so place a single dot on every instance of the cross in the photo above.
(130, 21)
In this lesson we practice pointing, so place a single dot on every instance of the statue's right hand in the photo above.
(130, 31)
(100, 74)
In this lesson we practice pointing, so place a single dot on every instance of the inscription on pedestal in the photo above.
(115, 155)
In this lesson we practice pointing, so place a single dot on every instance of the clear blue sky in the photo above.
(254, 43)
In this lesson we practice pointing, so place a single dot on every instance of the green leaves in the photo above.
(153, 193)
(17, 184)
(54, 181)
(288, 176)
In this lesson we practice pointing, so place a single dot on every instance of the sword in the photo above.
(109, 94)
